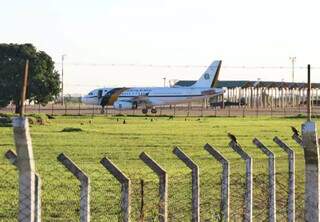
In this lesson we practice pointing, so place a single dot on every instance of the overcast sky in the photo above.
(171, 32)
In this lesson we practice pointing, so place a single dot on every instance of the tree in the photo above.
(43, 82)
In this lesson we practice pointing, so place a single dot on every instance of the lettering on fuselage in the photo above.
(136, 92)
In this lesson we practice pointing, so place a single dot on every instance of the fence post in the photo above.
(26, 167)
(12, 157)
(125, 187)
(248, 194)
(297, 138)
(85, 186)
(195, 183)
(163, 185)
(291, 193)
(311, 155)
(225, 199)
(272, 179)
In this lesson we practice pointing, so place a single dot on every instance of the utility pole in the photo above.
(62, 92)
(164, 81)
(293, 60)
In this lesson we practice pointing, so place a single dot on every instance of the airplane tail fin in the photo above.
(210, 77)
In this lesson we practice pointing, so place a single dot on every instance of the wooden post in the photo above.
(125, 187)
(248, 194)
(291, 193)
(309, 93)
(24, 89)
(163, 185)
(272, 179)
(195, 189)
(84, 188)
(225, 186)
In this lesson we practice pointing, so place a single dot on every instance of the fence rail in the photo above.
(178, 110)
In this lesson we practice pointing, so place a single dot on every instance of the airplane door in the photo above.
(100, 94)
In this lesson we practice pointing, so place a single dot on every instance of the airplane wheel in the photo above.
(144, 111)
(154, 111)
(134, 105)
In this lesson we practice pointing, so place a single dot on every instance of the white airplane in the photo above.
(152, 97)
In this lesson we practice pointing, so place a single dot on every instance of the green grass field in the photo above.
(122, 143)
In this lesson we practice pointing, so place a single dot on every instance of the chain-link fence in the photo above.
(60, 198)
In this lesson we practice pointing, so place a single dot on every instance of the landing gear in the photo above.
(102, 110)
(134, 105)
(144, 110)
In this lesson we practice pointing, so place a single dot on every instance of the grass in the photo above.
(122, 143)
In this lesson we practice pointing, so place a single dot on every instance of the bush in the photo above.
(38, 119)
(71, 129)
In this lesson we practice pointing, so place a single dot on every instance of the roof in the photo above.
(247, 84)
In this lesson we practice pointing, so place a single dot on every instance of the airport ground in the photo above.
(86, 139)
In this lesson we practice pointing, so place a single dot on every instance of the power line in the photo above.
(185, 66)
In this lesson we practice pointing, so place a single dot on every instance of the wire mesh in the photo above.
(9, 193)
(61, 193)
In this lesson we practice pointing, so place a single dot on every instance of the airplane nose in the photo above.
(84, 99)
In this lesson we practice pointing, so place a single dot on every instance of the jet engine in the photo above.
(123, 105)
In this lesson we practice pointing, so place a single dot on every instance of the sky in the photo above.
(175, 39)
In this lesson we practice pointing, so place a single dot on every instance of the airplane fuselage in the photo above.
(151, 96)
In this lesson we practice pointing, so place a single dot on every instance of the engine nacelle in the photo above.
(123, 105)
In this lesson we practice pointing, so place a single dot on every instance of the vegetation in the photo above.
(122, 143)
(44, 83)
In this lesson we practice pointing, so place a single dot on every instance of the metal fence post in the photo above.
(272, 179)
(125, 187)
(297, 138)
(26, 167)
(12, 157)
(195, 183)
(85, 186)
(163, 185)
(311, 155)
(248, 194)
(225, 184)
(291, 193)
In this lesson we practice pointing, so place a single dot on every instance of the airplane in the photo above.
(152, 97)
